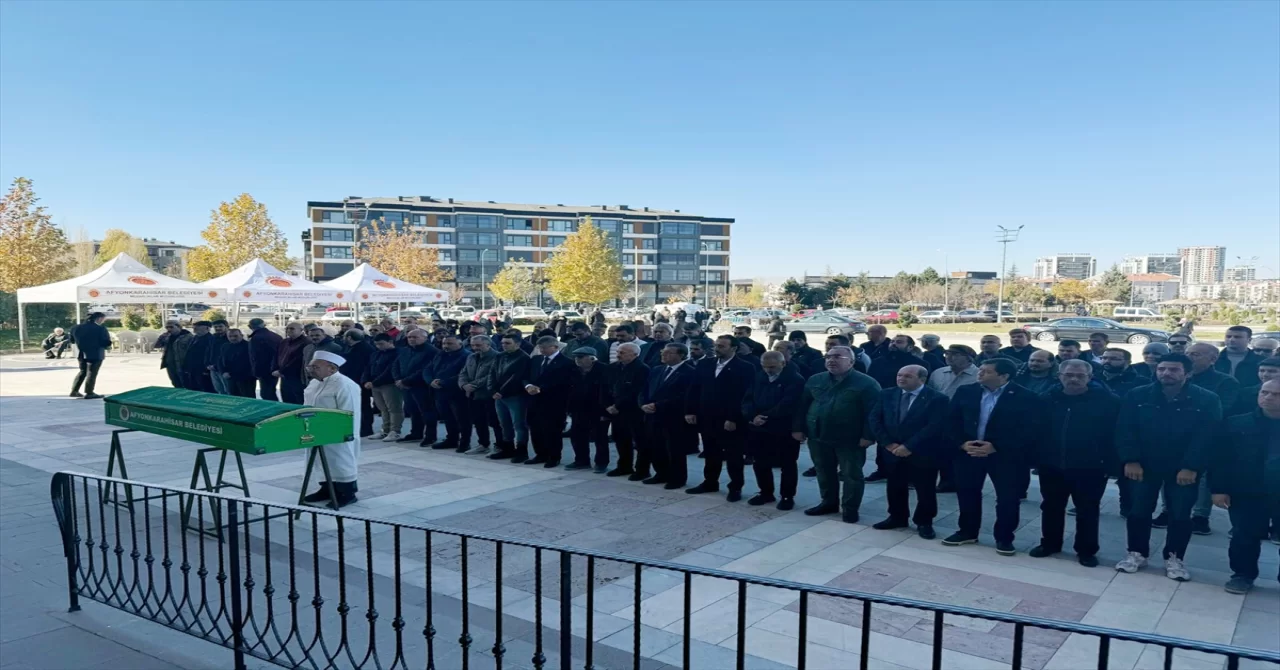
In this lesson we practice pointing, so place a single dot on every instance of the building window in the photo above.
(713, 245)
(650, 243)
(477, 221)
(713, 230)
(608, 225)
(646, 259)
(335, 252)
(715, 260)
(715, 276)
(478, 238)
(419, 220)
(553, 241)
(628, 228)
(334, 217)
(337, 235)
(519, 240)
(682, 243)
(671, 228)
(520, 256)
(519, 224)
(446, 254)
(561, 225)
(647, 275)
(678, 275)
(389, 219)
(445, 238)
(678, 259)
(444, 221)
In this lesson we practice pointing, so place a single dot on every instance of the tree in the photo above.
(751, 297)
(117, 241)
(852, 296)
(794, 292)
(1070, 292)
(1114, 285)
(238, 232)
(515, 283)
(456, 293)
(399, 253)
(930, 276)
(33, 251)
(585, 268)
(686, 294)
(83, 260)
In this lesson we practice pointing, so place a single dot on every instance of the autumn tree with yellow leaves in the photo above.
(238, 232)
(515, 283)
(586, 268)
(399, 253)
(33, 251)
(117, 241)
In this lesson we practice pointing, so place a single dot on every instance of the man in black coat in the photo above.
(769, 410)
(877, 343)
(92, 342)
(1236, 359)
(994, 426)
(908, 423)
(625, 379)
(590, 424)
(1247, 401)
(411, 362)
(1020, 349)
(1117, 374)
(441, 374)
(582, 337)
(547, 383)
(1075, 455)
(214, 354)
(358, 352)
(662, 402)
(1071, 350)
(264, 345)
(195, 370)
(884, 369)
(1245, 479)
(807, 359)
(934, 353)
(743, 334)
(714, 406)
(234, 365)
(510, 402)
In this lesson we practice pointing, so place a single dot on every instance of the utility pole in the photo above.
(706, 277)
(1004, 237)
(484, 292)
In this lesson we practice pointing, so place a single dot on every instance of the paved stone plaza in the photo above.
(42, 431)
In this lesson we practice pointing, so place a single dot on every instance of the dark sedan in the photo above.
(1080, 327)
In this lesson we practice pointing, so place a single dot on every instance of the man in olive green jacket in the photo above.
(833, 417)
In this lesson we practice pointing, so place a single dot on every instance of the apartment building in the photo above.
(164, 255)
(1065, 266)
(1153, 287)
(1240, 273)
(1170, 264)
(665, 252)
(1202, 265)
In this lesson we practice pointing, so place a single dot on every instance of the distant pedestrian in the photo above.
(92, 342)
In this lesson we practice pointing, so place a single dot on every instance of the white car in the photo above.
(618, 313)
(177, 315)
(460, 312)
(338, 315)
(567, 315)
(533, 313)
(940, 316)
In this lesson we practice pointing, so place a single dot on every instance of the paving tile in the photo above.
(719, 620)
(1260, 630)
(732, 547)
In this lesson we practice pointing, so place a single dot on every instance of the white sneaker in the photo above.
(391, 437)
(1175, 569)
(378, 436)
(1132, 563)
(478, 450)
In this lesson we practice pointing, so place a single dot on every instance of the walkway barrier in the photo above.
(310, 588)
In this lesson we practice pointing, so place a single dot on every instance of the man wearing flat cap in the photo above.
(590, 423)
(329, 389)
(959, 371)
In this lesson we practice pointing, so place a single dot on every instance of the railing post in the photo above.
(60, 493)
(237, 616)
(566, 613)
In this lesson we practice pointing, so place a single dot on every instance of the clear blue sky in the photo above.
(863, 136)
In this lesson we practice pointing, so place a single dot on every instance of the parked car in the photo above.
(337, 315)
(826, 324)
(939, 316)
(1135, 313)
(974, 316)
(991, 315)
(313, 313)
(847, 313)
(372, 312)
(568, 315)
(1080, 327)
(530, 313)
(883, 316)
(422, 315)
(616, 313)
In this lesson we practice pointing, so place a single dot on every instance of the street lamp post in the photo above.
(484, 291)
(706, 276)
(1004, 237)
(946, 282)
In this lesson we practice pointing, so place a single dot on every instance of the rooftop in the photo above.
(428, 203)
(1155, 276)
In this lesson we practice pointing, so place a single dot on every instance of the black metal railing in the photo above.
(266, 589)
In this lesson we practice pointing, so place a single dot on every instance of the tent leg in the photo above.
(22, 327)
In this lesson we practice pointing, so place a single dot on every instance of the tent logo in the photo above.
(142, 281)
(364, 296)
(213, 294)
(340, 296)
(248, 294)
(124, 413)
(279, 281)
(383, 283)
(93, 293)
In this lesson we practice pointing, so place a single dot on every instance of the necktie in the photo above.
(545, 363)
(904, 406)
(669, 371)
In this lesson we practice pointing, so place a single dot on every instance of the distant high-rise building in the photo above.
(1065, 266)
(1169, 264)
(1241, 273)
(1202, 265)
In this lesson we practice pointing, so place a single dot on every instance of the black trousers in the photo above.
(479, 417)
(175, 377)
(267, 388)
(446, 410)
(722, 447)
(1085, 489)
(669, 446)
(588, 429)
(88, 376)
(771, 451)
(546, 431)
(291, 389)
(198, 381)
(904, 473)
(1146, 494)
(366, 411)
(1250, 518)
(242, 387)
(629, 436)
(422, 413)
(970, 475)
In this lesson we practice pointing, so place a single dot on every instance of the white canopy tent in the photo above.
(259, 281)
(120, 280)
(366, 283)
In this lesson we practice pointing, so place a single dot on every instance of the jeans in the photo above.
(971, 474)
(1180, 498)
(88, 376)
(839, 464)
(1250, 518)
(512, 417)
(221, 385)
(267, 388)
(1204, 500)
(1085, 488)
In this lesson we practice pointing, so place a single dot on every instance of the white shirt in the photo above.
(721, 363)
(338, 392)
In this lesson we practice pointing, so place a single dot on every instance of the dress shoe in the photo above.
(445, 444)
(655, 480)
(577, 466)
(639, 477)
(787, 504)
(890, 524)
(619, 472)
(926, 532)
(672, 486)
(1005, 549)
(822, 509)
(95, 396)
(849, 517)
(536, 460)
(501, 455)
(600, 469)
(811, 472)
(552, 464)
(1041, 551)
(520, 458)
(877, 476)
(956, 539)
(76, 394)
(484, 449)
(410, 438)
(734, 496)
(761, 499)
(1087, 561)
(704, 487)
(321, 494)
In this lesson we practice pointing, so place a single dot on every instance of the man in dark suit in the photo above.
(624, 382)
(807, 359)
(743, 335)
(769, 409)
(234, 365)
(195, 371)
(547, 384)
(715, 408)
(1245, 479)
(92, 342)
(651, 352)
(662, 402)
(907, 424)
(589, 426)
(264, 345)
(358, 352)
(993, 425)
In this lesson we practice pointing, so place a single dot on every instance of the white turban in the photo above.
(329, 356)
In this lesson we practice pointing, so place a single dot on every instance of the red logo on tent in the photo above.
(213, 294)
(279, 281)
(383, 283)
(93, 293)
(340, 296)
(364, 296)
(142, 281)
(248, 294)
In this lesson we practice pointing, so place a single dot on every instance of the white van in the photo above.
(1135, 314)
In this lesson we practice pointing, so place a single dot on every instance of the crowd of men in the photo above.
(1189, 425)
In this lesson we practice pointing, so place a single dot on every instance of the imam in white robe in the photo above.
(338, 392)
